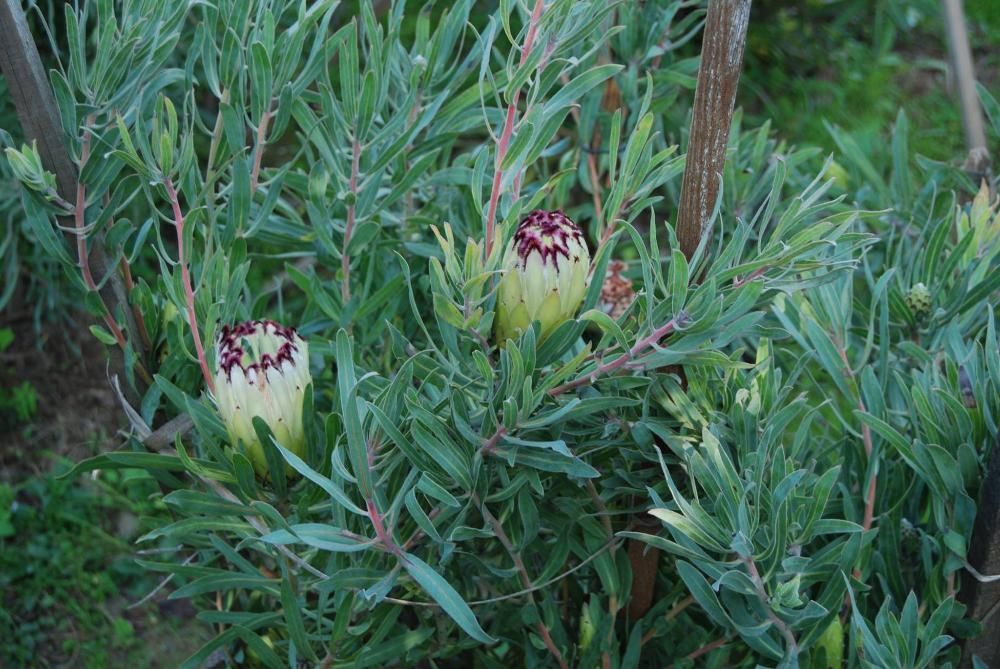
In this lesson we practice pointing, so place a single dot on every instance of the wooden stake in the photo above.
(965, 83)
(39, 116)
(718, 77)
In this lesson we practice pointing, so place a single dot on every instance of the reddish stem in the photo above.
(866, 438)
(522, 571)
(609, 229)
(759, 272)
(595, 142)
(345, 260)
(595, 178)
(619, 362)
(79, 214)
(677, 609)
(380, 532)
(130, 286)
(490, 445)
(508, 131)
(779, 624)
(78, 218)
(139, 320)
(707, 648)
(186, 278)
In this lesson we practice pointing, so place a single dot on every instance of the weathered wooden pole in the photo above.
(36, 109)
(32, 96)
(723, 40)
(964, 76)
(983, 597)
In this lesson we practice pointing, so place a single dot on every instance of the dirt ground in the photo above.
(78, 416)
(77, 412)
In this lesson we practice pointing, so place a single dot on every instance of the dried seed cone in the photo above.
(919, 299)
(262, 369)
(545, 275)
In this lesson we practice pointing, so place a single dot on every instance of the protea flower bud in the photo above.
(545, 275)
(919, 299)
(262, 369)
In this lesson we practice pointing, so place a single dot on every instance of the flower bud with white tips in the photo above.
(545, 275)
(262, 369)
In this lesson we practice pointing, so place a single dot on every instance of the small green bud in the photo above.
(832, 641)
(27, 167)
(587, 628)
(319, 179)
(839, 175)
(262, 369)
(545, 275)
(919, 299)
(168, 313)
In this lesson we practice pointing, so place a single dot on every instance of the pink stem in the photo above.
(501, 535)
(866, 438)
(380, 532)
(778, 623)
(620, 361)
(129, 287)
(706, 649)
(81, 205)
(186, 278)
(81, 237)
(490, 445)
(757, 273)
(508, 131)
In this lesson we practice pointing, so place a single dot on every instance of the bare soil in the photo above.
(77, 412)
(78, 415)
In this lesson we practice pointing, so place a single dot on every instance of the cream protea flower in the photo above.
(545, 275)
(262, 369)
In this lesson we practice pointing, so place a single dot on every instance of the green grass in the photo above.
(68, 574)
(857, 69)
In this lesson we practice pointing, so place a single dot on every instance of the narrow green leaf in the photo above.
(444, 594)
(331, 488)
(293, 620)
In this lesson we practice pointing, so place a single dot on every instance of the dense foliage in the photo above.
(765, 454)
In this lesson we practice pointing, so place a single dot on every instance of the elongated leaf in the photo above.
(325, 537)
(224, 582)
(293, 620)
(444, 594)
(332, 489)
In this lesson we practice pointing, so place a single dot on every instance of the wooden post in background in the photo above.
(983, 599)
(39, 116)
(29, 88)
(964, 77)
(724, 38)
